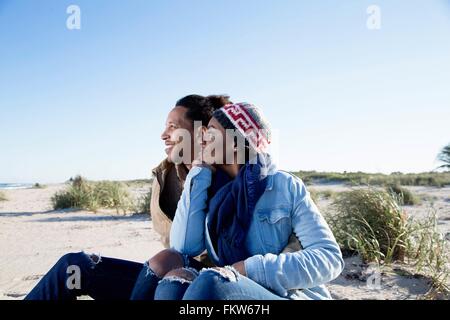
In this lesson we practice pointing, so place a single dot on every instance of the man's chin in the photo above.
(175, 160)
(170, 158)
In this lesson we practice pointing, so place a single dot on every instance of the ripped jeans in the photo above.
(226, 284)
(208, 284)
(101, 278)
(79, 274)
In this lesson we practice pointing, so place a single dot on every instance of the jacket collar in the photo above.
(269, 185)
(161, 170)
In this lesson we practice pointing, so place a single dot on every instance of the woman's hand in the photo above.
(199, 161)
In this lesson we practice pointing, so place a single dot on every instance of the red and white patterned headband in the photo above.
(240, 116)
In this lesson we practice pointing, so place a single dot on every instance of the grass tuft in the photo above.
(83, 194)
(428, 251)
(372, 223)
(316, 195)
(143, 203)
(405, 196)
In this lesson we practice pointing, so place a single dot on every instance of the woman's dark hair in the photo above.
(201, 108)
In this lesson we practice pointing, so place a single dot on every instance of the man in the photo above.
(169, 177)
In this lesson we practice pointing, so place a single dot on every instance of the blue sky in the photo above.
(341, 97)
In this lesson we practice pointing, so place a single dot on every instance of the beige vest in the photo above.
(161, 221)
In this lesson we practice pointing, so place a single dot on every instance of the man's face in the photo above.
(176, 122)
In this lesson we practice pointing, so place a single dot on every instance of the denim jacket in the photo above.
(284, 207)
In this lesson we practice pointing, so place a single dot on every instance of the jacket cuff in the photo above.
(254, 267)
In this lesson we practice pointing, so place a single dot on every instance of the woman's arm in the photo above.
(319, 262)
(187, 234)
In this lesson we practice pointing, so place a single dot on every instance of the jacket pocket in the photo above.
(274, 226)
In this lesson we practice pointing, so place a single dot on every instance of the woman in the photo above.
(243, 215)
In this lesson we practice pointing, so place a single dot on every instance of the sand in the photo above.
(33, 237)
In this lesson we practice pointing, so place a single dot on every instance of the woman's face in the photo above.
(216, 144)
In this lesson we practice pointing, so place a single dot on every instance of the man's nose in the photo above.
(164, 135)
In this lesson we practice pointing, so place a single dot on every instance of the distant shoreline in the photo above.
(15, 186)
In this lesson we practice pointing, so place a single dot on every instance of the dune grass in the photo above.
(316, 195)
(142, 204)
(405, 196)
(429, 252)
(83, 194)
(372, 223)
(435, 179)
(3, 196)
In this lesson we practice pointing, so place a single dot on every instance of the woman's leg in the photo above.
(168, 263)
(77, 274)
(175, 283)
(226, 284)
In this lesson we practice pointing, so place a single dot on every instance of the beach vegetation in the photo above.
(372, 223)
(444, 157)
(142, 204)
(405, 196)
(435, 179)
(89, 195)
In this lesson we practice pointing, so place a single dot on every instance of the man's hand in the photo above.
(240, 267)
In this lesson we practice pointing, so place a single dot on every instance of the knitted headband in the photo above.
(248, 121)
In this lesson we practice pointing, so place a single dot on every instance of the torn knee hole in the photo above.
(187, 273)
(229, 273)
(93, 258)
(182, 275)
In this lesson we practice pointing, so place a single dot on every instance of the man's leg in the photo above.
(77, 274)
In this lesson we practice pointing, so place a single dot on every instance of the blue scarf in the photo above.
(231, 209)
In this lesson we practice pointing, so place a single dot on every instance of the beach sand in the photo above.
(33, 237)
